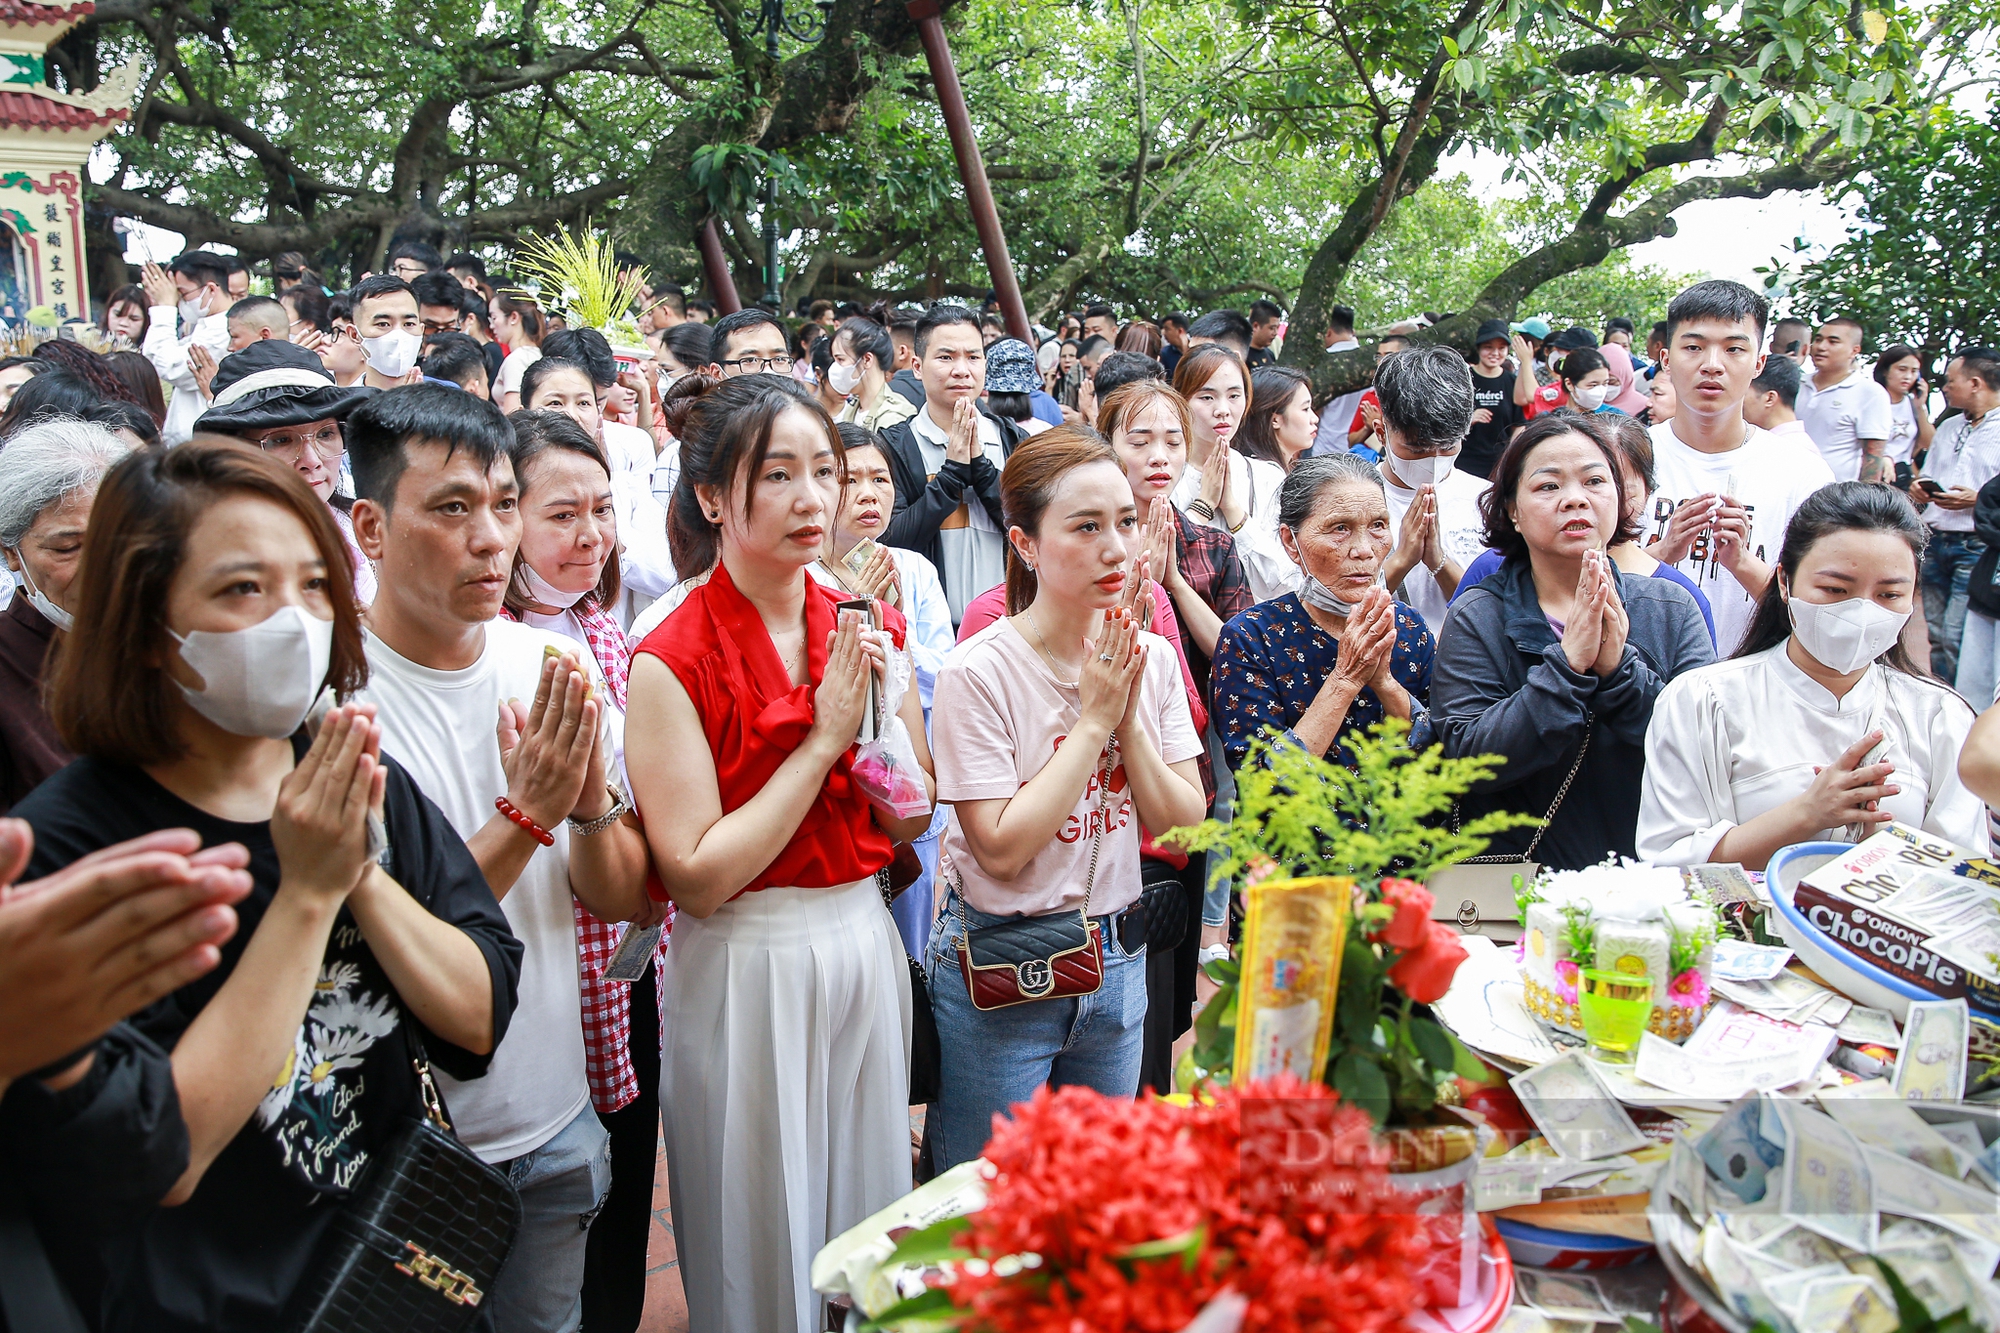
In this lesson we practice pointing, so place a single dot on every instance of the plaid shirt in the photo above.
(1208, 562)
(607, 1005)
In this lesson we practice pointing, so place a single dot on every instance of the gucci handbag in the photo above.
(1478, 892)
(1048, 957)
(419, 1245)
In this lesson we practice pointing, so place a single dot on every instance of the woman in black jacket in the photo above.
(1554, 661)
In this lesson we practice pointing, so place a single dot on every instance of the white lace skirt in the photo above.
(784, 1090)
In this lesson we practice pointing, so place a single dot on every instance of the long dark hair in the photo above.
(724, 427)
(1845, 506)
(1272, 388)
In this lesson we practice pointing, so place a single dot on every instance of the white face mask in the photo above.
(843, 377)
(58, 617)
(260, 681)
(1592, 398)
(392, 354)
(192, 313)
(541, 592)
(1845, 636)
(1416, 472)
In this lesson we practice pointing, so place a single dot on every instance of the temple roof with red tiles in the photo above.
(26, 111)
(23, 13)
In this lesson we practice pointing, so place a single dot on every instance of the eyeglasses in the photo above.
(440, 325)
(291, 442)
(755, 365)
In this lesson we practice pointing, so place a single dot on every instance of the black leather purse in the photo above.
(926, 1054)
(423, 1239)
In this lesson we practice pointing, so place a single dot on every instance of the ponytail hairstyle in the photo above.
(724, 428)
(1027, 485)
(537, 433)
(522, 304)
(1845, 506)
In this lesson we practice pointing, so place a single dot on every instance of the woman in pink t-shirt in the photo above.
(1028, 716)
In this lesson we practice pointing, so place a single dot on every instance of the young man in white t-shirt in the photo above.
(1426, 400)
(1844, 410)
(1724, 490)
(437, 513)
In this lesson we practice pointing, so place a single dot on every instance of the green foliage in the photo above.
(1580, 934)
(1917, 264)
(580, 278)
(1299, 815)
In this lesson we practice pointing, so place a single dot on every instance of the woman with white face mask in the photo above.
(863, 357)
(1819, 727)
(214, 606)
(46, 490)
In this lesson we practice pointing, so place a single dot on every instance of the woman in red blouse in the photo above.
(785, 1084)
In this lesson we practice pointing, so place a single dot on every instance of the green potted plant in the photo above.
(580, 280)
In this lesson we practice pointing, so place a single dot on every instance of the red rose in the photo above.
(1424, 973)
(1410, 927)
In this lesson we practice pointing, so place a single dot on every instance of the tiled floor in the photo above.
(666, 1308)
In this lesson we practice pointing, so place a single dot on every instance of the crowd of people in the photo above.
(406, 697)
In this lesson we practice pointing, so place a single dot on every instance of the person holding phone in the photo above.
(214, 605)
(785, 1079)
(1963, 457)
(1900, 371)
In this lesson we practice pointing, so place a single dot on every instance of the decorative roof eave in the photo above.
(24, 110)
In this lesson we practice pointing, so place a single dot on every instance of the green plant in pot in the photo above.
(1382, 819)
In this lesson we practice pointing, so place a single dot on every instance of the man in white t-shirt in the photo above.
(1724, 490)
(1845, 411)
(1964, 456)
(1426, 400)
(946, 462)
(1334, 416)
(437, 513)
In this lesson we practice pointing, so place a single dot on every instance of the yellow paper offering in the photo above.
(1293, 933)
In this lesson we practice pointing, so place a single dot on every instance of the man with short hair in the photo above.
(1656, 348)
(903, 377)
(1964, 456)
(1267, 323)
(1090, 356)
(1724, 490)
(470, 270)
(454, 358)
(1364, 430)
(1845, 411)
(1100, 322)
(194, 290)
(1772, 401)
(411, 259)
(441, 302)
(946, 462)
(1426, 405)
(749, 342)
(1495, 414)
(1227, 327)
(1174, 334)
(1337, 413)
(645, 566)
(254, 319)
(1119, 369)
(438, 513)
(1789, 337)
(666, 306)
(391, 333)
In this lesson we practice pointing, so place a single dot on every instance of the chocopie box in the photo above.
(1843, 900)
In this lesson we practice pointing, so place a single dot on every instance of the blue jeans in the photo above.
(914, 906)
(1979, 660)
(1948, 561)
(993, 1059)
(562, 1185)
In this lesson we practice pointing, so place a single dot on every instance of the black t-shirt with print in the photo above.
(232, 1255)
(1486, 439)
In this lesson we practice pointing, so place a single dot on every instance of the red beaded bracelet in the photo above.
(535, 831)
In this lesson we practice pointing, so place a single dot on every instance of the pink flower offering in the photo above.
(1688, 990)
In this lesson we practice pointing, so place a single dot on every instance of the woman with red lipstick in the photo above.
(1554, 662)
(1060, 730)
(784, 1082)
(1221, 487)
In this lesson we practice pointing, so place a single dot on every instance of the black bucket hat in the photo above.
(275, 383)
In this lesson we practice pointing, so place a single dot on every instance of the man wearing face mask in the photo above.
(391, 331)
(194, 295)
(1426, 409)
(539, 808)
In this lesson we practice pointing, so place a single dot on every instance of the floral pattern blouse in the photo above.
(1271, 661)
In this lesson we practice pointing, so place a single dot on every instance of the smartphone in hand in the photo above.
(870, 724)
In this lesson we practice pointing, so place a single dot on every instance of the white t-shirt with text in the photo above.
(1770, 475)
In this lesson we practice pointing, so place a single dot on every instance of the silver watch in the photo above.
(584, 828)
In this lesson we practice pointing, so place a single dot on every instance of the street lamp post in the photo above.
(772, 21)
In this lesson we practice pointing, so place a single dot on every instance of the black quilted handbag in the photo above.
(1164, 906)
(419, 1245)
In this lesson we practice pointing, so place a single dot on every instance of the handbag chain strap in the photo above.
(1554, 806)
(1096, 843)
